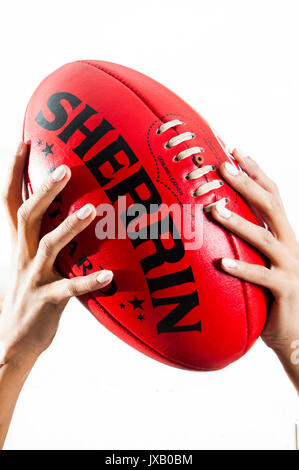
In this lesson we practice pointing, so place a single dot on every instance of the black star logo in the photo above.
(140, 316)
(122, 305)
(39, 143)
(136, 303)
(47, 149)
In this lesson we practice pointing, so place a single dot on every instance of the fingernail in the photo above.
(229, 263)
(20, 147)
(231, 169)
(85, 211)
(223, 211)
(241, 153)
(59, 173)
(105, 277)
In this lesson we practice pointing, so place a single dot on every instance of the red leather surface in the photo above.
(232, 313)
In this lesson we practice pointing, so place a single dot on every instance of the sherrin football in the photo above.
(134, 147)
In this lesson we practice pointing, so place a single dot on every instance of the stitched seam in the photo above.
(124, 82)
(157, 165)
(243, 284)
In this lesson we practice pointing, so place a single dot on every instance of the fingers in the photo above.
(12, 194)
(31, 212)
(257, 236)
(261, 192)
(254, 171)
(252, 273)
(251, 191)
(66, 288)
(52, 243)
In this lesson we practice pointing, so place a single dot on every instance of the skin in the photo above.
(37, 295)
(279, 244)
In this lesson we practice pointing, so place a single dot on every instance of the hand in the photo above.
(278, 243)
(37, 294)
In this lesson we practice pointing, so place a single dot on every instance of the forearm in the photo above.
(12, 378)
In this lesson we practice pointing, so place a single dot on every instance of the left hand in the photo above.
(37, 294)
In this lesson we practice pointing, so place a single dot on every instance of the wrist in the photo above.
(15, 372)
(12, 359)
(289, 358)
(284, 343)
(288, 352)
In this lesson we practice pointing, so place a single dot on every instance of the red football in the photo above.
(131, 143)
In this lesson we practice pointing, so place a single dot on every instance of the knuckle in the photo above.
(20, 264)
(268, 238)
(268, 204)
(240, 224)
(49, 297)
(23, 213)
(250, 162)
(89, 284)
(70, 225)
(45, 187)
(46, 297)
(273, 187)
(71, 289)
(46, 245)
(245, 181)
(272, 204)
(254, 170)
(255, 176)
(78, 286)
(263, 275)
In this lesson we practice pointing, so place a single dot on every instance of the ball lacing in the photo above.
(194, 152)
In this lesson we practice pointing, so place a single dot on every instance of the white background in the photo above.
(236, 62)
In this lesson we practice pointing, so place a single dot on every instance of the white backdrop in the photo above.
(237, 64)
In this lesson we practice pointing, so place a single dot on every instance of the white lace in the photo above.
(198, 172)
